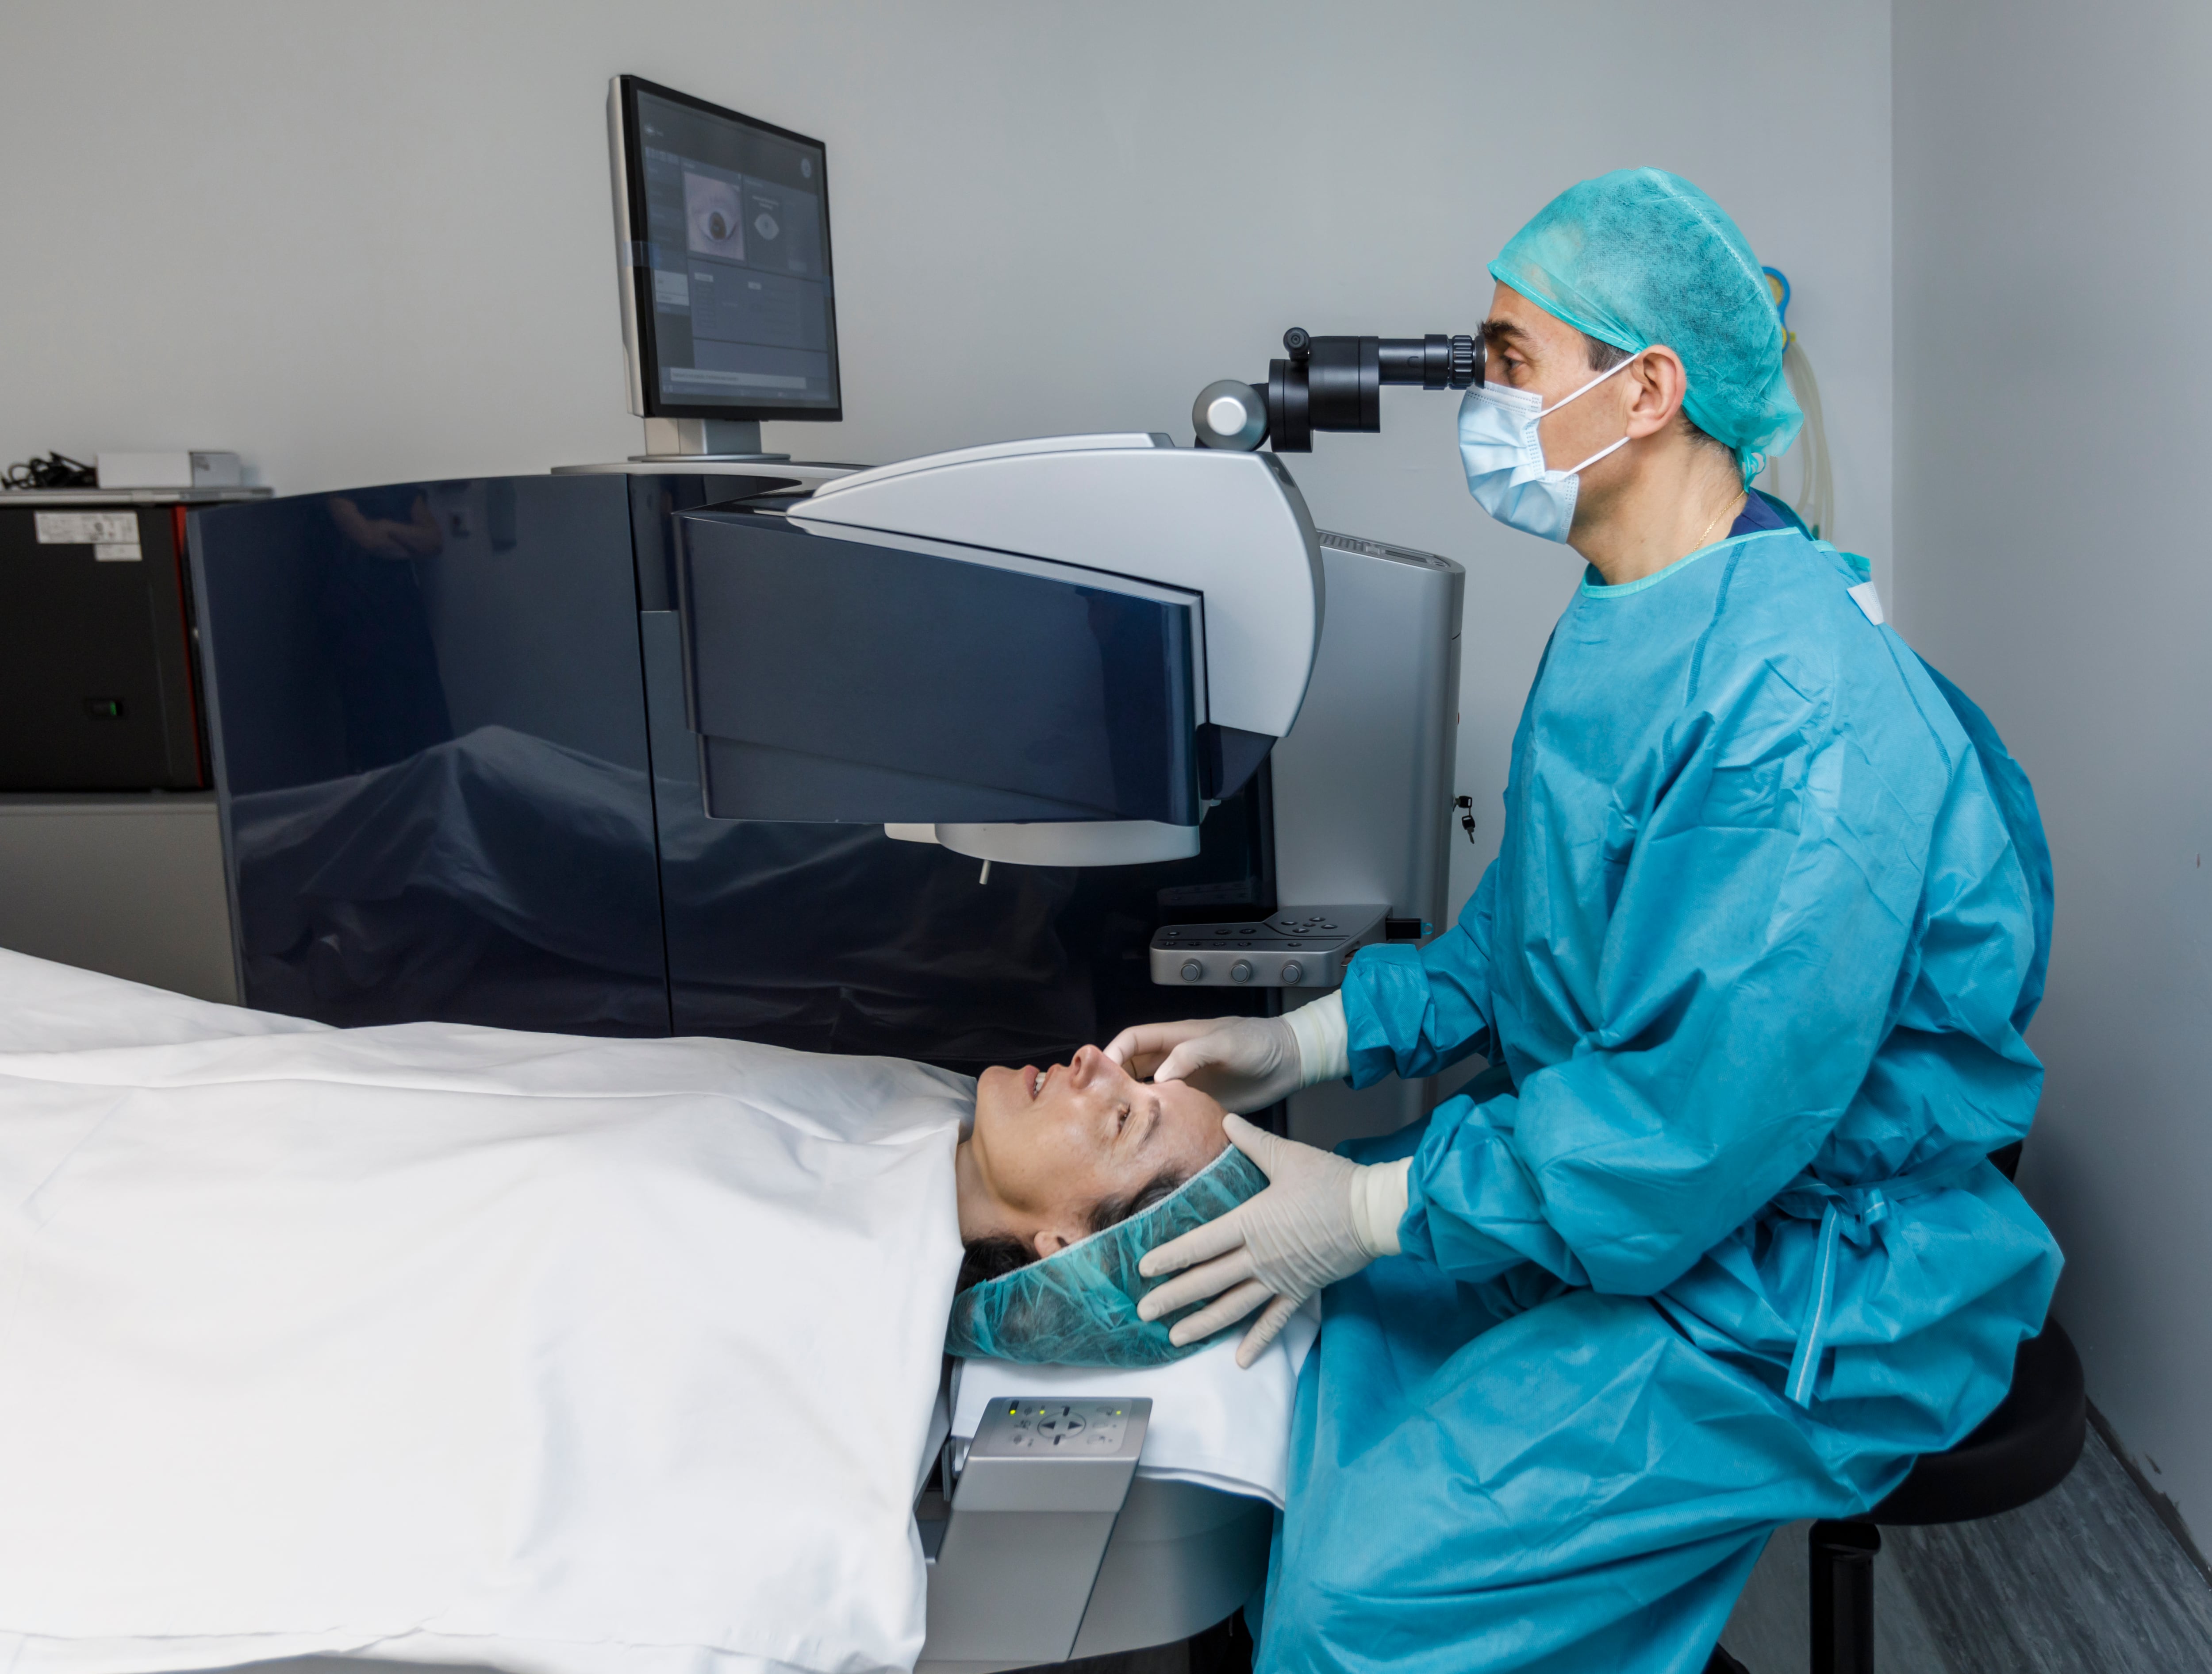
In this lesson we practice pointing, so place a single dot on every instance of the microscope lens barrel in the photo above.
(1344, 384)
(1335, 383)
(1434, 362)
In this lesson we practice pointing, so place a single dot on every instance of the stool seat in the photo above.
(2020, 1452)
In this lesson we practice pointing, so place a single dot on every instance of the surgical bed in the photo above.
(969, 759)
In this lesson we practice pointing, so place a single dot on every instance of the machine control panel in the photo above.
(1100, 1428)
(1293, 947)
(1053, 1455)
(1029, 1524)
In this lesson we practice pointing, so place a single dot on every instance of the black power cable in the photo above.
(55, 471)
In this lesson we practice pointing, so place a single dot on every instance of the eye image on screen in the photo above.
(713, 212)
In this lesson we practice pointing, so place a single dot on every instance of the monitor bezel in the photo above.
(638, 341)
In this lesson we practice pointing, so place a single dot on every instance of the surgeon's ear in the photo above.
(1659, 382)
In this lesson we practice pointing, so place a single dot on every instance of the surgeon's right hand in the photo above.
(1247, 1064)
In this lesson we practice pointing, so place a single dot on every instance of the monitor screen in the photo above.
(727, 305)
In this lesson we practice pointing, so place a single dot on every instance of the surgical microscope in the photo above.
(1329, 383)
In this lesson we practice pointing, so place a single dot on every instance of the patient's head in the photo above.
(1057, 1154)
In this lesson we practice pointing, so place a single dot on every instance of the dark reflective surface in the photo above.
(835, 938)
(430, 736)
(440, 803)
(807, 658)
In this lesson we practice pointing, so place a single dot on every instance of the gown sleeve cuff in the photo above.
(1324, 1051)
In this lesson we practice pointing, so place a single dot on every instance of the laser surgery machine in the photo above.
(972, 758)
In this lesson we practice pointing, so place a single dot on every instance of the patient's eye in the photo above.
(1121, 1119)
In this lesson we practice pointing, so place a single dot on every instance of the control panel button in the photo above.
(1293, 972)
(1241, 971)
(1055, 1426)
(1192, 970)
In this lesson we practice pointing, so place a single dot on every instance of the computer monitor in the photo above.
(724, 227)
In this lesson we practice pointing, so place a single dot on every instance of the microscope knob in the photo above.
(1192, 970)
(1230, 414)
(1241, 971)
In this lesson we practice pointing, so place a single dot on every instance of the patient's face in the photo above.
(1049, 1146)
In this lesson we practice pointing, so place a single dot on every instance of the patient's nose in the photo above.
(1090, 1066)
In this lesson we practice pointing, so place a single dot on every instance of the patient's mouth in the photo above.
(1037, 1084)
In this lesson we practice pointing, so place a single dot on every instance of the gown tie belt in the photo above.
(1856, 1213)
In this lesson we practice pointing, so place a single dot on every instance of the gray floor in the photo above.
(2087, 1580)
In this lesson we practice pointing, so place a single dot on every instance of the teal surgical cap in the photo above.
(1079, 1305)
(1640, 256)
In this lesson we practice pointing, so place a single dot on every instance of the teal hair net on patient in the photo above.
(1639, 257)
(1077, 1307)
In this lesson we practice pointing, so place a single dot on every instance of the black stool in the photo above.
(2021, 1451)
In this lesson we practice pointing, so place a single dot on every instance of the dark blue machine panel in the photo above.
(457, 783)
(428, 716)
(837, 939)
(832, 680)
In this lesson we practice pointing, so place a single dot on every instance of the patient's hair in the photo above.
(993, 1258)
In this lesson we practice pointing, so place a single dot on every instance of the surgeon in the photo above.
(1714, 1243)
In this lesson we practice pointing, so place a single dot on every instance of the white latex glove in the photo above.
(1319, 1219)
(1246, 1063)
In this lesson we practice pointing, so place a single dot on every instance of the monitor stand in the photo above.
(713, 447)
(701, 440)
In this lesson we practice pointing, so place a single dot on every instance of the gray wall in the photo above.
(368, 243)
(2054, 277)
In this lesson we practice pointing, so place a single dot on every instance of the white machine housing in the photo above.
(1231, 527)
(1230, 531)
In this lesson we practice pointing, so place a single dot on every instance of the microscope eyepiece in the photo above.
(1330, 383)
(1434, 361)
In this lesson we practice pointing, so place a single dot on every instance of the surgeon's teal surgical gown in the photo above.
(1713, 1244)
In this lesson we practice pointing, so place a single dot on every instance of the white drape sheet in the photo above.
(458, 1344)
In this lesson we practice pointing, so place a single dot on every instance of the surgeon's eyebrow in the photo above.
(1503, 333)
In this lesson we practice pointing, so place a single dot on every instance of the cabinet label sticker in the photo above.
(88, 529)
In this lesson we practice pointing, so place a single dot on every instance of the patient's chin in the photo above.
(998, 1090)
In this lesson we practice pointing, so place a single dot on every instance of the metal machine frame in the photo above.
(1036, 1556)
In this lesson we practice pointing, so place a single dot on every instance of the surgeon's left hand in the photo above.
(1319, 1219)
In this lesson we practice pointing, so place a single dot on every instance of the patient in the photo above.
(1057, 1154)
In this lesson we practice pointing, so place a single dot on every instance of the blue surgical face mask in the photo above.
(1504, 457)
